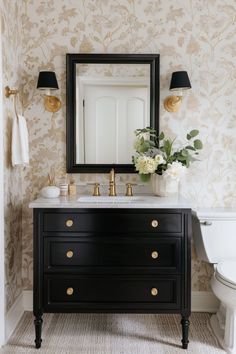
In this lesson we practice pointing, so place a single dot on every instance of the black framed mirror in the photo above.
(108, 96)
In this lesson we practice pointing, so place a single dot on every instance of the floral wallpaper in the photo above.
(193, 35)
(11, 20)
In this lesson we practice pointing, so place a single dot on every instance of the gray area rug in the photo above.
(113, 334)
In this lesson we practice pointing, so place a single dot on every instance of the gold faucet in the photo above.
(112, 184)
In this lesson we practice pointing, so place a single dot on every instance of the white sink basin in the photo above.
(107, 199)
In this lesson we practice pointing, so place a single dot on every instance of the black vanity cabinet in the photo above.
(112, 260)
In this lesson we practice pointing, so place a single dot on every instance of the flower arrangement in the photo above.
(156, 154)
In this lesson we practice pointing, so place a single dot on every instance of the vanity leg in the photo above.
(38, 331)
(185, 328)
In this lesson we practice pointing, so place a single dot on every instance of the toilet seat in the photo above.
(226, 273)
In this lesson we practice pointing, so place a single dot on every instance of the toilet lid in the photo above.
(227, 271)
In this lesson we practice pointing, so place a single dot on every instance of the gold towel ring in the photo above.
(14, 92)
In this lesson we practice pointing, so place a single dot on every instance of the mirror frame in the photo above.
(71, 61)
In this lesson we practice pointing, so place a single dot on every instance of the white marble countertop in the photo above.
(139, 202)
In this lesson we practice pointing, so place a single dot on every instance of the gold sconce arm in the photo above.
(52, 103)
(173, 103)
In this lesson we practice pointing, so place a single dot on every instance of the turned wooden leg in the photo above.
(38, 330)
(185, 328)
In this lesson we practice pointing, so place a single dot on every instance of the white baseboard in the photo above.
(202, 301)
(28, 300)
(13, 316)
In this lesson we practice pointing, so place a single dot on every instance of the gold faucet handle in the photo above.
(112, 175)
(129, 189)
(96, 191)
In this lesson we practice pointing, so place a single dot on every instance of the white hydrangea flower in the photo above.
(159, 159)
(175, 170)
(145, 165)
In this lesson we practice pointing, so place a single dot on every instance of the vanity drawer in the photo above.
(68, 255)
(164, 291)
(109, 221)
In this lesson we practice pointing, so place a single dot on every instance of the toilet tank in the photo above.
(214, 234)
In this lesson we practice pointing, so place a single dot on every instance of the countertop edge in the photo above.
(150, 202)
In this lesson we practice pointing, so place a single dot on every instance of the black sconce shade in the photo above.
(180, 81)
(47, 80)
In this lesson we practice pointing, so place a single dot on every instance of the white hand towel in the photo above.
(20, 142)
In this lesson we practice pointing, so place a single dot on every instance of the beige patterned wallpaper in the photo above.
(196, 35)
(11, 19)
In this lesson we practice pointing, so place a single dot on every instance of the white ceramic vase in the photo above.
(164, 186)
(50, 192)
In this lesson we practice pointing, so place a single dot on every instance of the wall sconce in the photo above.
(179, 82)
(47, 81)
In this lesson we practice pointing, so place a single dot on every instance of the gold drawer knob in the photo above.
(69, 291)
(154, 292)
(154, 223)
(69, 254)
(155, 254)
(69, 223)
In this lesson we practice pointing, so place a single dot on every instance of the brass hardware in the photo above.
(52, 103)
(69, 254)
(112, 184)
(173, 103)
(154, 223)
(69, 223)
(69, 291)
(154, 291)
(155, 254)
(9, 92)
(129, 190)
(96, 191)
(14, 92)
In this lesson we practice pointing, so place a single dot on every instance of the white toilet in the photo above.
(214, 233)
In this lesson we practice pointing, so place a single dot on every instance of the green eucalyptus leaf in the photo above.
(194, 133)
(167, 147)
(189, 147)
(198, 144)
(161, 136)
(184, 152)
(189, 136)
(181, 158)
(144, 147)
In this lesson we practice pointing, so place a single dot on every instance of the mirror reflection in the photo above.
(112, 100)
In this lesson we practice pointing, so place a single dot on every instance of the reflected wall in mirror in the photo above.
(112, 101)
(108, 97)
